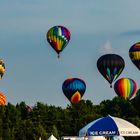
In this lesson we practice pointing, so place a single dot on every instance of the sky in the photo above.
(33, 71)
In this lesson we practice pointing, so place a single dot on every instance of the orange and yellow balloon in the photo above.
(2, 68)
(125, 87)
(2, 99)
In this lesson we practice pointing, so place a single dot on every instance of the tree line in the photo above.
(22, 122)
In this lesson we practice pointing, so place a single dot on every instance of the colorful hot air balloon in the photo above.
(2, 99)
(125, 87)
(110, 66)
(74, 89)
(2, 68)
(134, 54)
(58, 37)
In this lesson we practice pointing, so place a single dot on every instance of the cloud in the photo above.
(106, 48)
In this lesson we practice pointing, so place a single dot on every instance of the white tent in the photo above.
(117, 138)
(83, 138)
(96, 138)
(52, 137)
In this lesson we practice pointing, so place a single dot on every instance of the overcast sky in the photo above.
(33, 72)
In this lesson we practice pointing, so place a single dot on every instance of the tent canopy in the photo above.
(96, 138)
(117, 138)
(109, 126)
(52, 137)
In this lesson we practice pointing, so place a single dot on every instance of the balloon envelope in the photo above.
(2, 68)
(2, 99)
(58, 37)
(125, 87)
(110, 66)
(74, 89)
(134, 54)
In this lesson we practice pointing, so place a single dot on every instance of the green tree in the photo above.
(118, 107)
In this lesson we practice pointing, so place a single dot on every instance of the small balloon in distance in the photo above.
(2, 68)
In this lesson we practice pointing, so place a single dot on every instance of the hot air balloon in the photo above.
(110, 66)
(74, 89)
(29, 109)
(2, 99)
(58, 37)
(125, 87)
(2, 68)
(134, 54)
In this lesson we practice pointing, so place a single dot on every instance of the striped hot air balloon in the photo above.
(58, 37)
(2, 99)
(134, 54)
(125, 87)
(74, 89)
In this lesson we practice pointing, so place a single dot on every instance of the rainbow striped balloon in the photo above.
(125, 87)
(2, 99)
(58, 37)
(134, 54)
